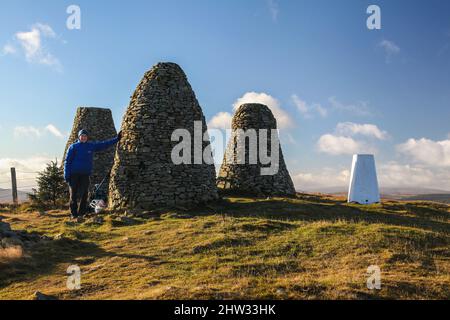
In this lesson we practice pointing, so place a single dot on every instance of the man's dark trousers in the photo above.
(79, 190)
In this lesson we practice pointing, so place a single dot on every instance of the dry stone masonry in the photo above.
(246, 178)
(100, 125)
(143, 175)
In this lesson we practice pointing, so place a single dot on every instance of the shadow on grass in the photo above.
(311, 209)
(42, 258)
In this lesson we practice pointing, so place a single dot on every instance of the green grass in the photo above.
(309, 247)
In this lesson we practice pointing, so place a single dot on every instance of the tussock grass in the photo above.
(308, 247)
(10, 254)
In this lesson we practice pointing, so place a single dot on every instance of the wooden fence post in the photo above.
(14, 186)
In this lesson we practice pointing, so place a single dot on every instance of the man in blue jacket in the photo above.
(78, 169)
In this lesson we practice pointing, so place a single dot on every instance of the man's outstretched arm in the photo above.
(99, 146)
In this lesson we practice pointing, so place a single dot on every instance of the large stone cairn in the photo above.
(143, 175)
(100, 125)
(246, 178)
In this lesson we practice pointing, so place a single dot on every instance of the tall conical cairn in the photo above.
(247, 178)
(144, 175)
(100, 125)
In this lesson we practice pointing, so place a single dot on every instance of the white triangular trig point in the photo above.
(363, 187)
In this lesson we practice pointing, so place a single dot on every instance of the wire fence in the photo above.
(25, 183)
(30, 182)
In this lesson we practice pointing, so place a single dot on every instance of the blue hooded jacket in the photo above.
(79, 158)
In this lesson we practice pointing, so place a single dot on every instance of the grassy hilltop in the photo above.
(309, 247)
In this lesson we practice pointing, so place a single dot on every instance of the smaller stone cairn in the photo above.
(100, 125)
(247, 178)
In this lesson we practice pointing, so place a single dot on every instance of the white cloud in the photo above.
(359, 109)
(369, 130)
(283, 119)
(300, 104)
(390, 175)
(27, 131)
(33, 132)
(342, 141)
(426, 151)
(290, 139)
(307, 110)
(8, 49)
(31, 43)
(55, 131)
(222, 120)
(338, 145)
(25, 170)
(323, 112)
(324, 178)
(390, 49)
(394, 174)
(273, 9)
(46, 30)
(426, 165)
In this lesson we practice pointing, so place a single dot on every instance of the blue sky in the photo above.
(336, 87)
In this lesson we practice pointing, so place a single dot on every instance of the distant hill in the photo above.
(443, 198)
(6, 196)
(402, 191)
(413, 191)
